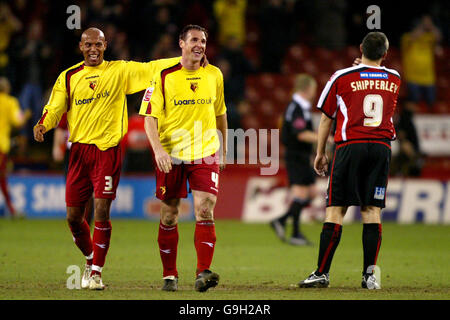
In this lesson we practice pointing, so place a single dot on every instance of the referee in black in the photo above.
(298, 136)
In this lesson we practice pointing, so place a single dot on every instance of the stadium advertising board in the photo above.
(255, 199)
(408, 201)
(42, 196)
(434, 134)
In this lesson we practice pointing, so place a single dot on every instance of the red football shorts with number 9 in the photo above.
(92, 170)
(202, 175)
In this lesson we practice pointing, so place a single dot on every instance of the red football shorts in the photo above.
(202, 176)
(92, 170)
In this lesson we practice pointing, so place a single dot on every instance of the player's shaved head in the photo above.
(93, 45)
(93, 33)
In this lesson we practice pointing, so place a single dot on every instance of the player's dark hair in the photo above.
(190, 27)
(374, 45)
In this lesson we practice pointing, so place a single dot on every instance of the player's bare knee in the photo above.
(335, 214)
(371, 214)
(204, 211)
(74, 220)
(170, 221)
(170, 217)
(169, 212)
(205, 214)
(74, 216)
(101, 211)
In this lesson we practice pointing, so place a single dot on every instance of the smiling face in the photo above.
(193, 46)
(93, 46)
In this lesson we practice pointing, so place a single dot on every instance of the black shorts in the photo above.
(300, 172)
(359, 174)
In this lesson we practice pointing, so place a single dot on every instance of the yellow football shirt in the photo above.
(95, 99)
(186, 104)
(418, 58)
(10, 117)
(231, 20)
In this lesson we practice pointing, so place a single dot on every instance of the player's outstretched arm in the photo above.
(138, 74)
(39, 131)
(53, 110)
(321, 161)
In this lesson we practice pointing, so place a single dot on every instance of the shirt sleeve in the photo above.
(63, 122)
(328, 101)
(138, 75)
(219, 104)
(56, 106)
(153, 100)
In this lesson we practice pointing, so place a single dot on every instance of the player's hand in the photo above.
(204, 62)
(321, 165)
(163, 161)
(356, 62)
(222, 162)
(38, 132)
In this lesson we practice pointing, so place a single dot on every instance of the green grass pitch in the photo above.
(252, 262)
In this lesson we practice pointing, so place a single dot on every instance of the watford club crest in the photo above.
(194, 86)
(92, 84)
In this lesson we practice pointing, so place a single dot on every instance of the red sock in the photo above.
(4, 187)
(205, 241)
(101, 238)
(82, 238)
(168, 244)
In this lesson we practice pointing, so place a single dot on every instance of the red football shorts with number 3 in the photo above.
(202, 175)
(92, 170)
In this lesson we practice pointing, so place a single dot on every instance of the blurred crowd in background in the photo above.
(261, 41)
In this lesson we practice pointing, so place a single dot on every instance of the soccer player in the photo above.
(11, 116)
(362, 99)
(184, 110)
(93, 93)
(298, 135)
